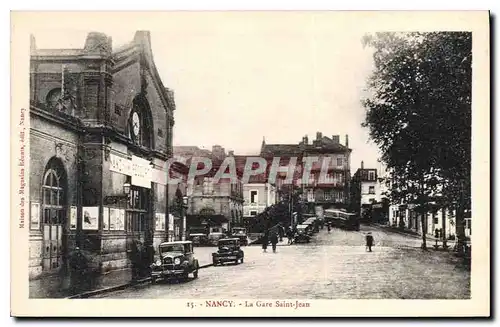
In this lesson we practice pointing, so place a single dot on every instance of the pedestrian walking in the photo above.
(329, 228)
(369, 241)
(265, 242)
(78, 264)
(289, 235)
(281, 231)
(274, 241)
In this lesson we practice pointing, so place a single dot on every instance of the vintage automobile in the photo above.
(302, 234)
(176, 260)
(198, 235)
(216, 233)
(309, 226)
(241, 234)
(228, 251)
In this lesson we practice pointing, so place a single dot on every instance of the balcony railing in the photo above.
(329, 199)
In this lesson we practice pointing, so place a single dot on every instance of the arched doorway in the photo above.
(54, 213)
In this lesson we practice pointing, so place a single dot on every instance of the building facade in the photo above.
(215, 203)
(366, 194)
(329, 192)
(100, 135)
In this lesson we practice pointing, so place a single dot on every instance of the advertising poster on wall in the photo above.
(113, 218)
(72, 217)
(35, 215)
(105, 218)
(120, 222)
(90, 218)
(170, 222)
(160, 221)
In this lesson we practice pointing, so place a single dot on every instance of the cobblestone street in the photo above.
(332, 266)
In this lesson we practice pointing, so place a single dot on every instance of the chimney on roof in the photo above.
(306, 140)
(32, 43)
(318, 136)
(347, 141)
(362, 165)
(98, 43)
(336, 139)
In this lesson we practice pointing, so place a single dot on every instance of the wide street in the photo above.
(332, 266)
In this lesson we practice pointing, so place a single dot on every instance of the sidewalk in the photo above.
(406, 232)
(56, 286)
(59, 287)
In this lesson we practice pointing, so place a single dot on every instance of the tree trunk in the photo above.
(443, 217)
(460, 229)
(424, 231)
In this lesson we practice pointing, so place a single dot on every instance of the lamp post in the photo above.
(184, 207)
(126, 189)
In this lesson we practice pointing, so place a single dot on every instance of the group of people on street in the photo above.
(270, 237)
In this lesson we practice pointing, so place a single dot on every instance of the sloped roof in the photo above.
(140, 48)
(281, 149)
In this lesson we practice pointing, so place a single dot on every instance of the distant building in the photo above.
(212, 204)
(258, 193)
(367, 195)
(333, 191)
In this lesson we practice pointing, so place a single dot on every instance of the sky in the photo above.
(242, 78)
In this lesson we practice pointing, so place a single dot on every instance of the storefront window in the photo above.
(138, 209)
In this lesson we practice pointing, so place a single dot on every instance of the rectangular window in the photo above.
(435, 220)
(253, 213)
(340, 162)
(371, 190)
(253, 197)
(371, 175)
(310, 195)
(208, 185)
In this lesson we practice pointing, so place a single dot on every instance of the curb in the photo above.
(110, 289)
(428, 237)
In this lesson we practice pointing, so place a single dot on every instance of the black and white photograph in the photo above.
(252, 163)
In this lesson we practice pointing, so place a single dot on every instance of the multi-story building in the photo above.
(332, 191)
(258, 193)
(211, 202)
(368, 197)
(100, 135)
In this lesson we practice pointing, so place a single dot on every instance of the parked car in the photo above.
(228, 251)
(176, 260)
(302, 235)
(309, 228)
(198, 235)
(215, 234)
(241, 234)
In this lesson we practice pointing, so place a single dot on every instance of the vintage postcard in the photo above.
(250, 164)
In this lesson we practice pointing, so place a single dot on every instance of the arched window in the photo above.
(54, 214)
(53, 191)
(53, 98)
(141, 123)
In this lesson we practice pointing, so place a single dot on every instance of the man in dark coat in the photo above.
(369, 241)
(274, 241)
(79, 266)
(265, 241)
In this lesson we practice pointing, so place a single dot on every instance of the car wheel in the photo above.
(153, 280)
(185, 276)
(241, 259)
(195, 273)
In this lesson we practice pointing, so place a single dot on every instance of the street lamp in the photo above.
(126, 189)
(184, 207)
